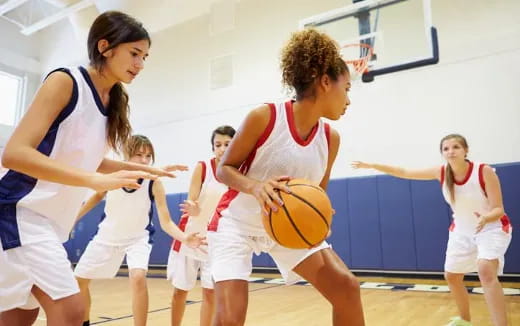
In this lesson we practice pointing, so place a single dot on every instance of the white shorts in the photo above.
(231, 255)
(464, 250)
(42, 264)
(103, 261)
(183, 271)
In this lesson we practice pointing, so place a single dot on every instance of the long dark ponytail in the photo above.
(116, 28)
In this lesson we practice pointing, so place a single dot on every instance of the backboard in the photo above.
(400, 32)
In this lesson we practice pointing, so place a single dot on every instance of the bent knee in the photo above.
(73, 314)
(487, 274)
(229, 319)
(453, 277)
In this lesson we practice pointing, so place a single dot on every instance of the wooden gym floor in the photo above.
(386, 301)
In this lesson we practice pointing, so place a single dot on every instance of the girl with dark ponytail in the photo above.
(56, 153)
(480, 232)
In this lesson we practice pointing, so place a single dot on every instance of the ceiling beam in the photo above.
(17, 23)
(57, 3)
(56, 17)
(10, 5)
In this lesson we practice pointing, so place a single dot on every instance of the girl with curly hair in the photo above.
(276, 140)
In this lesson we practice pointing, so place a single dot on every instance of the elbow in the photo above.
(8, 159)
(221, 173)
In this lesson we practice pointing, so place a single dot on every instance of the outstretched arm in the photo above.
(21, 152)
(109, 166)
(193, 240)
(433, 173)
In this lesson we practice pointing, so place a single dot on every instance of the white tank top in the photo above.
(128, 216)
(470, 197)
(33, 210)
(279, 152)
(210, 194)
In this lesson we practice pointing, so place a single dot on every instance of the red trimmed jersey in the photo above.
(470, 197)
(210, 193)
(279, 152)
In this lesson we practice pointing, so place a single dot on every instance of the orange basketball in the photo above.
(305, 218)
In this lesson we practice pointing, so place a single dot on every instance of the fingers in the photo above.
(175, 167)
(130, 183)
(135, 175)
(164, 173)
(281, 183)
(268, 202)
(280, 186)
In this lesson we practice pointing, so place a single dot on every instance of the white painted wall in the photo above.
(398, 119)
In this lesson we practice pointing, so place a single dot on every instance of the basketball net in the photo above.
(363, 52)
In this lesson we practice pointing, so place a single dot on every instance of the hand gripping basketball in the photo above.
(304, 219)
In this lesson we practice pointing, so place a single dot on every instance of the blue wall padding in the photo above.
(432, 217)
(339, 238)
(396, 220)
(365, 232)
(509, 175)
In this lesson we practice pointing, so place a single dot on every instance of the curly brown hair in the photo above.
(308, 55)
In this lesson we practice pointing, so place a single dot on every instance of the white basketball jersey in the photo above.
(470, 197)
(77, 138)
(279, 152)
(210, 194)
(128, 215)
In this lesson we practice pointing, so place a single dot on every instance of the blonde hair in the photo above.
(135, 143)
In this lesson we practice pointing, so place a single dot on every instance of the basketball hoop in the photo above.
(363, 52)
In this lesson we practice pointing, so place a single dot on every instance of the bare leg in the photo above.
(178, 306)
(231, 298)
(332, 278)
(459, 293)
(487, 272)
(139, 296)
(208, 307)
(84, 284)
(19, 317)
(68, 311)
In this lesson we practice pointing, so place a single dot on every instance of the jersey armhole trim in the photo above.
(203, 173)
(69, 108)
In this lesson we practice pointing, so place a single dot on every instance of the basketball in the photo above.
(305, 218)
